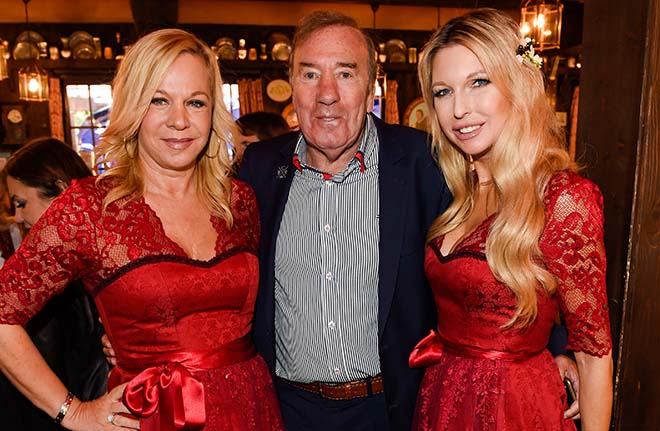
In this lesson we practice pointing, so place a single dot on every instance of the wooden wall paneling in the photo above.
(618, 139)
(637, 378)
(608, 126)
(55, 111)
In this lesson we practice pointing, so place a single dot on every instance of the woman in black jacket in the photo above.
(67, 330)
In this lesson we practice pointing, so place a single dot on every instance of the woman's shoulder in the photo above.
(245, 214)
(243, 202)
(570, 188)
(241, 191)
(92, 185)
(84, 190)
(82, 184)
(87, 196)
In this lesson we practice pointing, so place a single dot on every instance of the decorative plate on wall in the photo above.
(278, 90)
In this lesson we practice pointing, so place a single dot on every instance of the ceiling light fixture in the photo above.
(32, 79)
(540, 20)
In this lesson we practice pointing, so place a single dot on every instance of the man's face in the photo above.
(331, 89)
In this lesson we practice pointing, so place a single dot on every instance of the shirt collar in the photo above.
(300, 151)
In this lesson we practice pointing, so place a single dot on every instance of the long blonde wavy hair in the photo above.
(529, 150)
(136, 81)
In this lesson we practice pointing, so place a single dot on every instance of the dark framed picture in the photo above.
(416, 115)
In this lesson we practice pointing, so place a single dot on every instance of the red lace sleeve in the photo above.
(50, 257)
(574, 252)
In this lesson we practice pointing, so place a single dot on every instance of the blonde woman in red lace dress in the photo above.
(166, 242)
(522, 240)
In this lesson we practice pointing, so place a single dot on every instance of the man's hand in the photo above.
(567, 369)
(110, 353)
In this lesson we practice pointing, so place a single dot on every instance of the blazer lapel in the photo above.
(392, 187)
(281, 176)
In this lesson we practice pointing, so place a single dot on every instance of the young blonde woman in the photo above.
(166, 242)
(522, 240)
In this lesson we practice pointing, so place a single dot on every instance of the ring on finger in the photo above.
(111, 418)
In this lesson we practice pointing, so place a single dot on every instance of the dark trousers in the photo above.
(306, 411)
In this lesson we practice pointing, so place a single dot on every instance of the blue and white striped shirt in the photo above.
(326, 270)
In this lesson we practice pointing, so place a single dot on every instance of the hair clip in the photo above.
(527, 52)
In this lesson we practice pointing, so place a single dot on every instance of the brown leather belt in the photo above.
(343, 391)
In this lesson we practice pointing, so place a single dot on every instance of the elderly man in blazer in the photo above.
(345, 206)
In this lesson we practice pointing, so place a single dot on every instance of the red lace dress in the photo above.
(181, 327)
(481, 377)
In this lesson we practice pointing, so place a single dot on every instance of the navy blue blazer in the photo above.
(413, 193)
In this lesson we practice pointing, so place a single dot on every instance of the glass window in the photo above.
(230, 97)
(89, 111)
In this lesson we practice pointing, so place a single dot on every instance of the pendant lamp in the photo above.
(32, 79)
(540, 20)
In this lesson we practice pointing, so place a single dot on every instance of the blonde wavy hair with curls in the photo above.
(529, 150)
(136, 81)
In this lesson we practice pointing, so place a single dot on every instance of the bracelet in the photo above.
(64, 408)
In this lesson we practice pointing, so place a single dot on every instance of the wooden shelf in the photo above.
(66, 64)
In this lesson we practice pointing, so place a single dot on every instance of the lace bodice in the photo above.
(488, 378)
(77, 238)
(163, 311)
(573, 251)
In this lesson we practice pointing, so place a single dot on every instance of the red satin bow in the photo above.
(426, 352)
(430, 349)
(166, 398)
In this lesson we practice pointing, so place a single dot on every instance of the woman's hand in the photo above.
(106, 413)
(569, 370)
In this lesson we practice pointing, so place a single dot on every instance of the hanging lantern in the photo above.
(540, 20)
(32, 83)
(32, 80)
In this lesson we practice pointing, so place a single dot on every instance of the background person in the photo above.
(258, 126)
(11, 233)
(66, 331)
(522, 239)
(167, 243)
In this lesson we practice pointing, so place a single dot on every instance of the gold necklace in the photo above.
(487, 184)
(487, 196)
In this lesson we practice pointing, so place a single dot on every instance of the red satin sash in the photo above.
(168, 397)
(430, 349)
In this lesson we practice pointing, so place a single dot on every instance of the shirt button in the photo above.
(328, 183)
(331, 324)
(328, 276)
(337, 371)
(326, 228)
